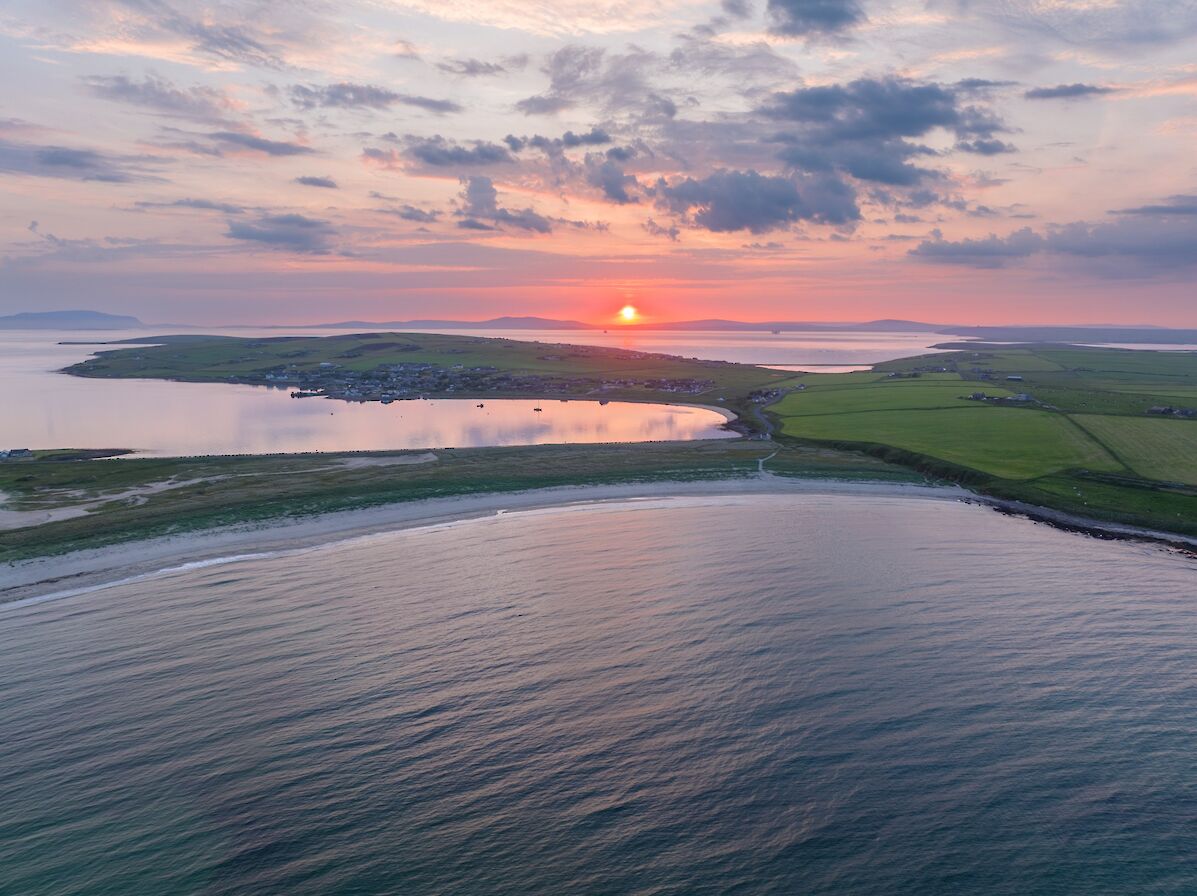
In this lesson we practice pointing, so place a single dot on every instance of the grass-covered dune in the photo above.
(96, 503)
(1102, 433)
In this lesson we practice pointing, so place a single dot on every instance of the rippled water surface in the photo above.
(758, 695)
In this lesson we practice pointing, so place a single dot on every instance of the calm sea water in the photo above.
(757, 695)
(47, 409)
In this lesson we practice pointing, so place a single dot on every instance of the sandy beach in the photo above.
(84, 570)
(88, 569)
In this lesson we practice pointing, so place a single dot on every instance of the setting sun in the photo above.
(628, 313)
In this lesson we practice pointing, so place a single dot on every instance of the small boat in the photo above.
(481, 405)
(538, 410)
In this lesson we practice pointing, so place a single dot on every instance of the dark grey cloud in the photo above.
(344, 95)
(979, 85)
(480, 201)
(411, 213)
(596, 136)
(1067, 92)
(210, 205)
(865, 127)
(160, 95)
(609, 176)
(312, 181)
(739, 9)
(1181, 204)
(440, 152)
(73, 163)
(813, 18)
(747, 200)
(987, 252)
(473, 224)
(986, 147)
(1132, 246)
(261, 144)
(296, 233)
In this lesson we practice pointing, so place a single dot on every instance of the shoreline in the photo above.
(93, 569)
(98, 567)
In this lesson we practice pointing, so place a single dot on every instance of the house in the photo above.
(1014, 378)
(14, 453)
(1021, 396)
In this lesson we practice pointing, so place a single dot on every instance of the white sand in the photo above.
(88, 568)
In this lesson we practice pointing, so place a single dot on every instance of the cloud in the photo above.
(581, 75)
(480, 200)
(292, 232)
(227, 208)
(747, 200)
(72, 163)
(813, 18)
(864, 128)
(411, 213)
(1103, 24)
(309, 181)
(988, 252)
(596, 136)
(986, 147)
(1141, 245)
(440, 152)
(1180, 204)
(609, 177)
(261, 144)
(671, 232)
(364, 96)
(159, 94)
(1067, 92)
(471, 68)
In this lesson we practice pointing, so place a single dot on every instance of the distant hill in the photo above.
(68, 320)
(498, 323)
(1083, 335)
(544, 323)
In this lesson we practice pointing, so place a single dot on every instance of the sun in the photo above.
(628, 313)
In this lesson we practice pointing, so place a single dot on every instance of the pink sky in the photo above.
(775, 159)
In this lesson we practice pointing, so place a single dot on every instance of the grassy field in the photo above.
(888, 395)
(1085, 443)
(1154, 448)
(1007, 442)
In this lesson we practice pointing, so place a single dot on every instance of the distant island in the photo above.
(69, 320)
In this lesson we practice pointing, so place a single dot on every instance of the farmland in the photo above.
(1105, 433)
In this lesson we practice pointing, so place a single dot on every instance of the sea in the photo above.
(44, 408)
(703, 695)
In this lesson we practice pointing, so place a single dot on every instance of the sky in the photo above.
(299, 161)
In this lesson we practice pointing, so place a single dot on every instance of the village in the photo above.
(387, 383)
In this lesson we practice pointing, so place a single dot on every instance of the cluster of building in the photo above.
(395, 382)
(1169, 411)
(14, 453)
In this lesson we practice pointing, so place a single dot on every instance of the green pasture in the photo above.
(1155, 448)
(1013, 443)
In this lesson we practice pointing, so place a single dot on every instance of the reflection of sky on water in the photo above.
(44, 409)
